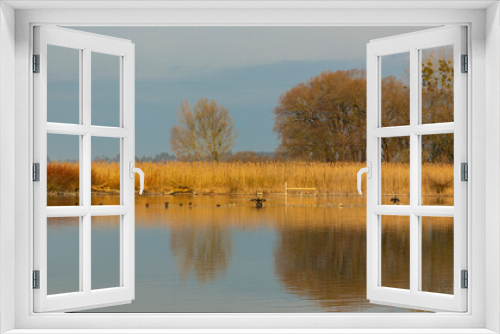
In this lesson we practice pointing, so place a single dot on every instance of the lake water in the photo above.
(219, 253)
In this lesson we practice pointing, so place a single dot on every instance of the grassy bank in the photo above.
(247, 178)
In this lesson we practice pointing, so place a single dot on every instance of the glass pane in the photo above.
(437, 169)
(395, 89)
(63, 170)
(105, 90)
(437, 84)
(105, 252)
(63, 85)
(396, 251)
(63, 255)
(105, 171)
(437, 254)
(395, 171)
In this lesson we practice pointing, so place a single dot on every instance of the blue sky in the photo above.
(245, 69)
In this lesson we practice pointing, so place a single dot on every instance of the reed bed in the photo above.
(250, 177)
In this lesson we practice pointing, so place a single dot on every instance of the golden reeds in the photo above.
(250, 177)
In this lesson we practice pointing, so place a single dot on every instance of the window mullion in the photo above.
(414, 171)
(86, 100)
(86, 253)
(418, 161)
(86, 165)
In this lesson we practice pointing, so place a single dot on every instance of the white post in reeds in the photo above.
(286, 198)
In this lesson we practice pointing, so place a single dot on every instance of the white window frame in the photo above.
(85, 44)
(483, 126)
(412, 44)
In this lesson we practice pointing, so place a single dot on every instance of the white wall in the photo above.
(492, 163)
(254, 17)
(7, 163)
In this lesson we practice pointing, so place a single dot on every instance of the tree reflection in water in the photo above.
(325, 261)
(204, 251)
(316, 263)
(298, 254)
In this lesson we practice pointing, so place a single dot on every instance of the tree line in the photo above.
(324, 119)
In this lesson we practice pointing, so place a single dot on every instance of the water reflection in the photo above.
(395, 251)
(297, 254)
(325, 264)
(203, 251)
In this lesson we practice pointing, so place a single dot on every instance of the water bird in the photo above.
(166, 205)
(258, 202)
(147, 205)
(218, 205)
(100, 203)
(190, 203)
(395, 200)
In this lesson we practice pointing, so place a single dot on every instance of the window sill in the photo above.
(250, 331)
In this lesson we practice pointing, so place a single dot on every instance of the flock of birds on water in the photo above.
(259, 203)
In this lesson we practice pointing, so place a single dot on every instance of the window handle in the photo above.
(368, 171)
(134, 170)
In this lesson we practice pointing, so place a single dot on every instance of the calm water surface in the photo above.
(221, 254)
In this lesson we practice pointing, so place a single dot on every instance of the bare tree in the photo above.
(204, 133)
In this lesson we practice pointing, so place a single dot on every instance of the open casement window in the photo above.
(416, 124)
(88, 134)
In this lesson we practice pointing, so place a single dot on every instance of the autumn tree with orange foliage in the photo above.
(437, 103)
(324, 119)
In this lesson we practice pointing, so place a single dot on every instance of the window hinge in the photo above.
(465, 64)
(465, 279)
(36, 63)
(36, 172)
(36, 279)
(464, 172)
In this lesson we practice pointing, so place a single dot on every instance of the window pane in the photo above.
(437, 84)
(63, 85)
(105, 90)
(105, 252)
(437, 169)
(63, 255)
(395, 171)
(395, 89)
(437, 254)
(63, 170)
(105, 171)
(396, 251)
